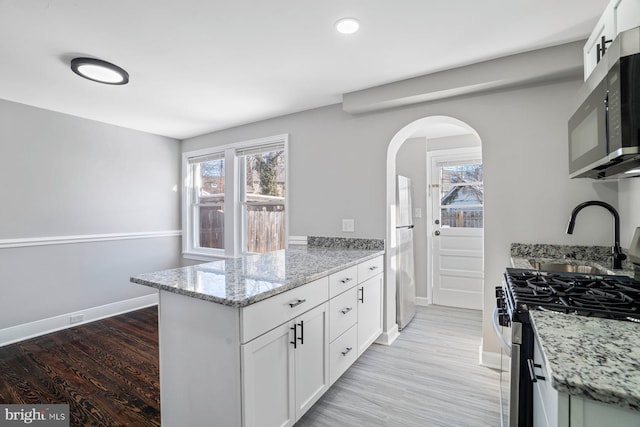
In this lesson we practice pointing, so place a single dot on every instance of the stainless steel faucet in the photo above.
(616, 251)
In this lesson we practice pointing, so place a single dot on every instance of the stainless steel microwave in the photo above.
(604, 132)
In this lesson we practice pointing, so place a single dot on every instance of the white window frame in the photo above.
(233, 230)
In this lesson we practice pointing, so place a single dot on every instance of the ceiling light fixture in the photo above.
(99, 71)
(347, 25)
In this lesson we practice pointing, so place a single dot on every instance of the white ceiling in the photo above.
(198, 66)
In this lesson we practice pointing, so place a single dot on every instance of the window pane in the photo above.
(265, 228)
(210, 181)
(463, 195)
(456, 174)
(264, 177)
(462, 217)
(211, 227)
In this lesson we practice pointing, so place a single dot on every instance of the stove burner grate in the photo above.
(615, 297)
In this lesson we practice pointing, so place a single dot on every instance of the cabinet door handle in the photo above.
(297, 303)
(348, 349)
(532, 374)
(346, 310)
(361, 299)
(373, 267)
(346, 280)
(301, 337)
(295, 339)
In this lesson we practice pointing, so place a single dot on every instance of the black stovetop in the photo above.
(614, 297)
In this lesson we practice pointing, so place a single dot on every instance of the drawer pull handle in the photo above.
(361, 299)
(373, 267)
(344, 353)
(346, 310)
(532, 374)
(297, 303)
(346, 280)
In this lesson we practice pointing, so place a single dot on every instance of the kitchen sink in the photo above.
(566, 267)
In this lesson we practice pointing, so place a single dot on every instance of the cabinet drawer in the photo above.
(342, 353)
(370, 268)
(342, 280)
(258, 318)
(343, 313)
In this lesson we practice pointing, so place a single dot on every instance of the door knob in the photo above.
(437, 232)
(437, 221)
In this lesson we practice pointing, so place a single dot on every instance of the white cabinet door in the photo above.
(268, 379)
(369, 312)
(311, 358)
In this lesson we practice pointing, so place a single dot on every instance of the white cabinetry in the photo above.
(554, 409)
(370, 283)
(286, 370)
(619, 16)
(267, 363)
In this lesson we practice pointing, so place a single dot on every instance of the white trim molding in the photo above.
(422, 302)
(297, 240)
(492, 360)
(84, 238)
(388, 337)
(25, 331)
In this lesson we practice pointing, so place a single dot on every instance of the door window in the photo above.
(461, 194)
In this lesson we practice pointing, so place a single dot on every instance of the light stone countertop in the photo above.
(585, 356)
(591, 357)
(239, 282)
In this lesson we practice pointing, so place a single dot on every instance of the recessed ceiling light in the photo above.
(632, 171)
(99, 71)
(347, 25)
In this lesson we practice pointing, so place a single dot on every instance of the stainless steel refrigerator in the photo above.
(405, 270)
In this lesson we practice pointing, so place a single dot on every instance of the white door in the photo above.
(456, 231)
(311, 357)
(268, 379)
(369, 312)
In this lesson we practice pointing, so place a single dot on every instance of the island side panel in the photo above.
(199, 362)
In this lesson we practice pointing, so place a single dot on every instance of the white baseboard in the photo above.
(492, 360)
(40, 327)
(422, 301)
(388, 337)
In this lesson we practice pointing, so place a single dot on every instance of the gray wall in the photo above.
(66, 176)
(338, 160)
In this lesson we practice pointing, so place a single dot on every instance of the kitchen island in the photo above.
(257, 340)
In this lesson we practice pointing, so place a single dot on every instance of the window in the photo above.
(461, 195)
(234, 198)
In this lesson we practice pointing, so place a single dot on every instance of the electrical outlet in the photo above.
(417, 212)
(76, 318)
(348, 225)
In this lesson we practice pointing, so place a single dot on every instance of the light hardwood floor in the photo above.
(429, 377)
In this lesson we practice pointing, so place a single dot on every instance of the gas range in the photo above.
(523, 290)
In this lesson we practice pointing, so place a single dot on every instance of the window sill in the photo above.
(204, 257)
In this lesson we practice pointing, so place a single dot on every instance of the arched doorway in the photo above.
(433, 127)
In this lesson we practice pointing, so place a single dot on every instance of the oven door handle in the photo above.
(499, 334)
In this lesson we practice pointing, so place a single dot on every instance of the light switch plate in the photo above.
(348, 225)
(417, 212)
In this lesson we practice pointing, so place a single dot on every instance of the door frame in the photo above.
(417, 127)
(434, 155)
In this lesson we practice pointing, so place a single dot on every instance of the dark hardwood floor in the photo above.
(107, 371)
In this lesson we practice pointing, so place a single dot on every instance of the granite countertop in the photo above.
(591, 357)
(595, 256)
(239, 282)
